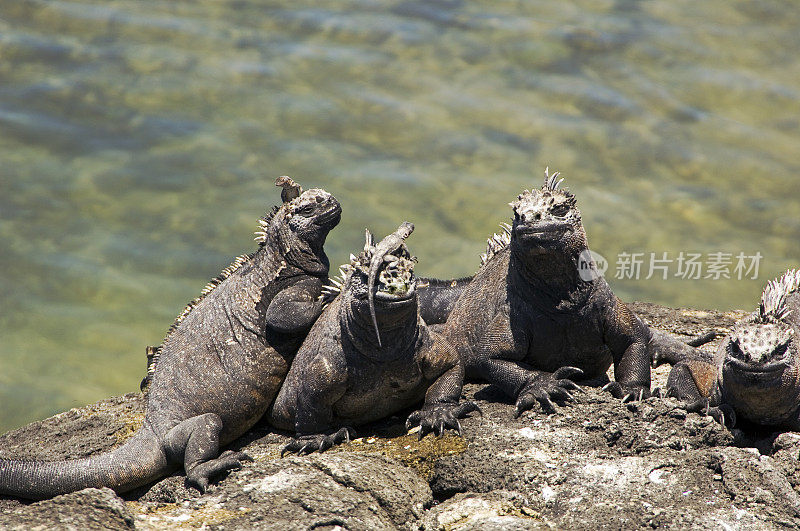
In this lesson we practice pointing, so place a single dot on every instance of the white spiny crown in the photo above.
(551, 182)
(496, 243)
(773, 300)
(332, 290)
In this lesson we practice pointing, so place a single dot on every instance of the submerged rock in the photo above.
(595, 463)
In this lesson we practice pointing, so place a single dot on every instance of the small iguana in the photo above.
(380, 253)
(219, 367)
(341, 377)
(532, 319)
(755, 372)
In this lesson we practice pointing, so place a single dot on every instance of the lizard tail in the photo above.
(371, 298)
(137, 462)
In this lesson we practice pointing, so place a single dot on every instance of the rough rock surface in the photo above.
(596, 463)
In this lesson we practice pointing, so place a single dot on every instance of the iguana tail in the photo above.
(137, 462)
(666, 349)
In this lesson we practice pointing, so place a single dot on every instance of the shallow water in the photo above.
(139, 141)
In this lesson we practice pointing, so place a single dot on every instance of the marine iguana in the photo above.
(755, 372)
(341, 377)
(438, 297)
(219, 367)
(531, 320)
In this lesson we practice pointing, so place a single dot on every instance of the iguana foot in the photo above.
(546, 387)
(724, 414)
(628, 393)
(199, 476)
(319, 442)
(436, 418)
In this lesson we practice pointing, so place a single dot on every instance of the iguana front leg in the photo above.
(492, 360)
(323, 383)
(296, 308)
(627, 337)
(441, 410)
(695, 383)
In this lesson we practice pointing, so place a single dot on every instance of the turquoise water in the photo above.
(139, 141)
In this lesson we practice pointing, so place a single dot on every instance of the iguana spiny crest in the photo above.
(773, 305)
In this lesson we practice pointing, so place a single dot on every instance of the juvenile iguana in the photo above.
(532, 320)
(219, 367)
(755, 372)
(341, 377)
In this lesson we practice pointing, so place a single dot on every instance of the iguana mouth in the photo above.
(403, 294)
(756, 368)
(332, 217)
(542, 231)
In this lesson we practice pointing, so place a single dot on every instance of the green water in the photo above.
(139, 140)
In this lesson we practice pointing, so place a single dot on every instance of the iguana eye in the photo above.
(559, 210)
(307, 209)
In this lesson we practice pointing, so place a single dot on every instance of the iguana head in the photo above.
(547, 220)
(394, 292)
(301, 224)
(760, 371)
(312, 214)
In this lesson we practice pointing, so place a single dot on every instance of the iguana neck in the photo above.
(398, 329)
(309, 257)
(553, 277)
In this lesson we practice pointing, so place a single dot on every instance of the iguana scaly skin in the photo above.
(341, 377)
(531, 321)
(219, 367)
(755, 372)
(437, 297)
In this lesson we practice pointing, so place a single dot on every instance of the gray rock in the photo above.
(595, 463)
(85, 509)
(490, 511)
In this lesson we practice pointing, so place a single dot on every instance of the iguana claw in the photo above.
(546, 386)
(199, 476)
(723, 414)
(436, 418)
(319, 442)
(627, 393)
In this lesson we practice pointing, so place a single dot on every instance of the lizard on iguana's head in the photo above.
(387, 277)
(378, 254)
